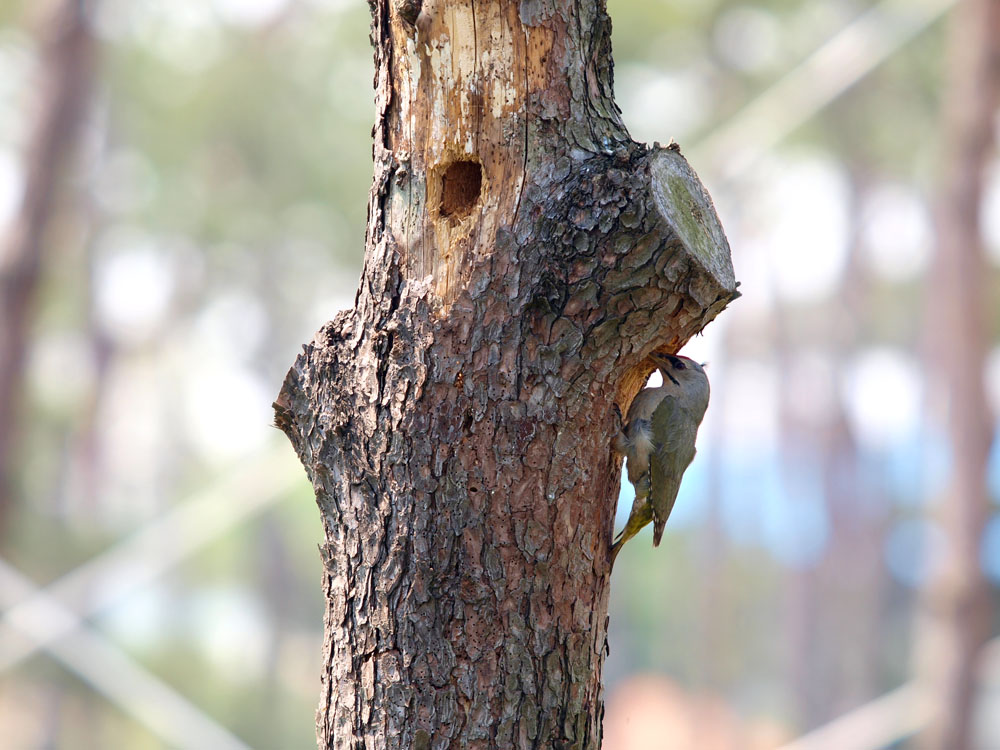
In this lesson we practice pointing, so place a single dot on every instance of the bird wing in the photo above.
(674, 432)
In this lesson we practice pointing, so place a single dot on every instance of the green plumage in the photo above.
(658, 442)
(674, 432)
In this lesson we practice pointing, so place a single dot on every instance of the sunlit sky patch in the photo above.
(333, 5)
(248, 12)
(753, 269)
(990, 213)
(232, 326)
(227, 410)
(804, 224)
(134, 284)
(993, 379)
(141, 621)
(705, 347)
(648, 98)
(184, 33)
(133, 436)
(17, 63)
(882, 392)
(749, 421)
(340, 291)
(896, 232)
(230, 625)
(747, 38)
(11, 186)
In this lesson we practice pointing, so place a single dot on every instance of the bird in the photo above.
(657, 441)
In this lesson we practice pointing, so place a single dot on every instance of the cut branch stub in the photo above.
(684, 206)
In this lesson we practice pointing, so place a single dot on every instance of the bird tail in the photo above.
(658, 527)
(636, 521)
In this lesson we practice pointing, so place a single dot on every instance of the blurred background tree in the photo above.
(158, 570)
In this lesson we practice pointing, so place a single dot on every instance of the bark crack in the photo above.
(524, 115)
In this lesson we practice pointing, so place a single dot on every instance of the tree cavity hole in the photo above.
(461, 185)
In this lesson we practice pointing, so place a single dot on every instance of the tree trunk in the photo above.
(67, 65)
(956, 620)
(523, 259)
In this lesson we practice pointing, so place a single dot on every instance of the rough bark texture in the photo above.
(523, 258)
(64, 82)
(956, 604)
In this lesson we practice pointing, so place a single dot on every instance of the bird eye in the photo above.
(679, 364)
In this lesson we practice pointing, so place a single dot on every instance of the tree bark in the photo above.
(956, 603)
(64, 83)
(523, 259)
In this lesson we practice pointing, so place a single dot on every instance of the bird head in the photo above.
(685, 374)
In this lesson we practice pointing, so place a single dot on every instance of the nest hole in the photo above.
(461, 186)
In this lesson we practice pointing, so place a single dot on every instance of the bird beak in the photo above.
(664, 363)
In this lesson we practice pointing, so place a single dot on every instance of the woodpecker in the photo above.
(658, 442)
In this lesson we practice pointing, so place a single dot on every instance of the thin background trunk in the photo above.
(523, 259)
(64, 83)
(956, 620)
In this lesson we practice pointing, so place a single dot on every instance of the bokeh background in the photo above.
(181, 213)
